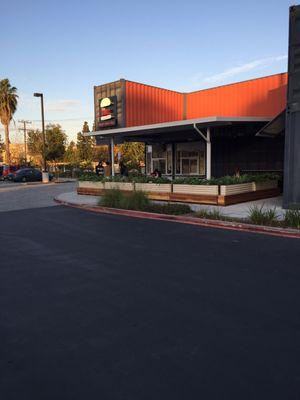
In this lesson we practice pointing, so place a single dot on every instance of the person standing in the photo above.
(123, 169)
(107, 169)
(100, 169)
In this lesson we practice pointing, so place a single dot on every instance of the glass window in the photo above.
(185, 165)
(178, 165)
(169, 162)
(202, 162)
(158, 152)
(148, 162)
(159, 164)
(194, 166)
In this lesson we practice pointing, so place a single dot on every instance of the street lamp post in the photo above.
(44, 172)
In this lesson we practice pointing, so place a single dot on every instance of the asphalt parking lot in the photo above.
(107, 307)
(19, 196)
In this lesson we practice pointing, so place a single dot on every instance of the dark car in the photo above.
(25, 175)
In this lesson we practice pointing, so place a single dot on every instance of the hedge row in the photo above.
(226, 180)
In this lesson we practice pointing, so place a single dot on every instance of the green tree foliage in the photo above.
(85, 148)
(101, 153)
(85, 128)
(55, 139)
(8, 106)
(133, 154)
(71, 154)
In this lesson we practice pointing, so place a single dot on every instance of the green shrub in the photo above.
(112, 198)
(211, 214)
(225, 180)
(149, 179)
(262, 216)
(135, 201)
(192, 181)
(139, 201)
(292, 218)
(91, 177)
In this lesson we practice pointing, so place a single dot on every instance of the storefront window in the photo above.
(169, 159)
(159, 164)
(190, 159)
(159, 159)
(148, 162)
(202, 163)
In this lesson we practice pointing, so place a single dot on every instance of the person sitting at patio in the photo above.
(156, 173)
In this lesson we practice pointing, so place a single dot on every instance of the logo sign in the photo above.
(107, 112)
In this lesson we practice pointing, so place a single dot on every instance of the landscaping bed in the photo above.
(221, 191)
(259, 219)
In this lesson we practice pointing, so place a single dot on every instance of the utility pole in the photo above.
(24, 122)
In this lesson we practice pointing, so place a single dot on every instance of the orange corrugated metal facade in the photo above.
(149, 105)
(254, 98)
(263, 97)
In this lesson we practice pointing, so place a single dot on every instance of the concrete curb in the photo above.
(273, 231)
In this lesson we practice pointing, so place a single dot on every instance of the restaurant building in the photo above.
(206, 133)
(211, 132)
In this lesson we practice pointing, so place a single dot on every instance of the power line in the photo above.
(64, 119)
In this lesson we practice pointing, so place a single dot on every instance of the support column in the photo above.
(291, 178)
(112, 157)
(208, 154)
(208, 149)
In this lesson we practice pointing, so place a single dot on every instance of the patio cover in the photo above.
(274, 127)
(174, 131)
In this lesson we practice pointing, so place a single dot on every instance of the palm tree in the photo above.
(8, 106)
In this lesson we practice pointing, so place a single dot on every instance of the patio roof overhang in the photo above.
(275, 127)
(174, 131)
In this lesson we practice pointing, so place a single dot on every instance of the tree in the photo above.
(55, 141)
(85, 128)
(85, 148)
(133, 154)
(1, 148)
(101, 153)
(71, 154)
(8, 106)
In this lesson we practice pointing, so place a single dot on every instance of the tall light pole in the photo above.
(45, 173)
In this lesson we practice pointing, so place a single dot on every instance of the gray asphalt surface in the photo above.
(18, 196)
(104, 307)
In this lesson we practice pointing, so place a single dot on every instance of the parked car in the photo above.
(6, 169)
(26, 175)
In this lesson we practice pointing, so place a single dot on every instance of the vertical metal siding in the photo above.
(291, 191)
(255, 98)
(110, 89)
(149, 105)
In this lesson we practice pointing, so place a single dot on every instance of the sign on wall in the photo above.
(108, 112)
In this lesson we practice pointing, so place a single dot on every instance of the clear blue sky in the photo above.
(64, 48)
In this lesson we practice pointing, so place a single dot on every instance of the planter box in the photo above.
(265, 185)
(127, 186)
(154, 187)
(90, 185)
(229, 190)
(196, 189)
